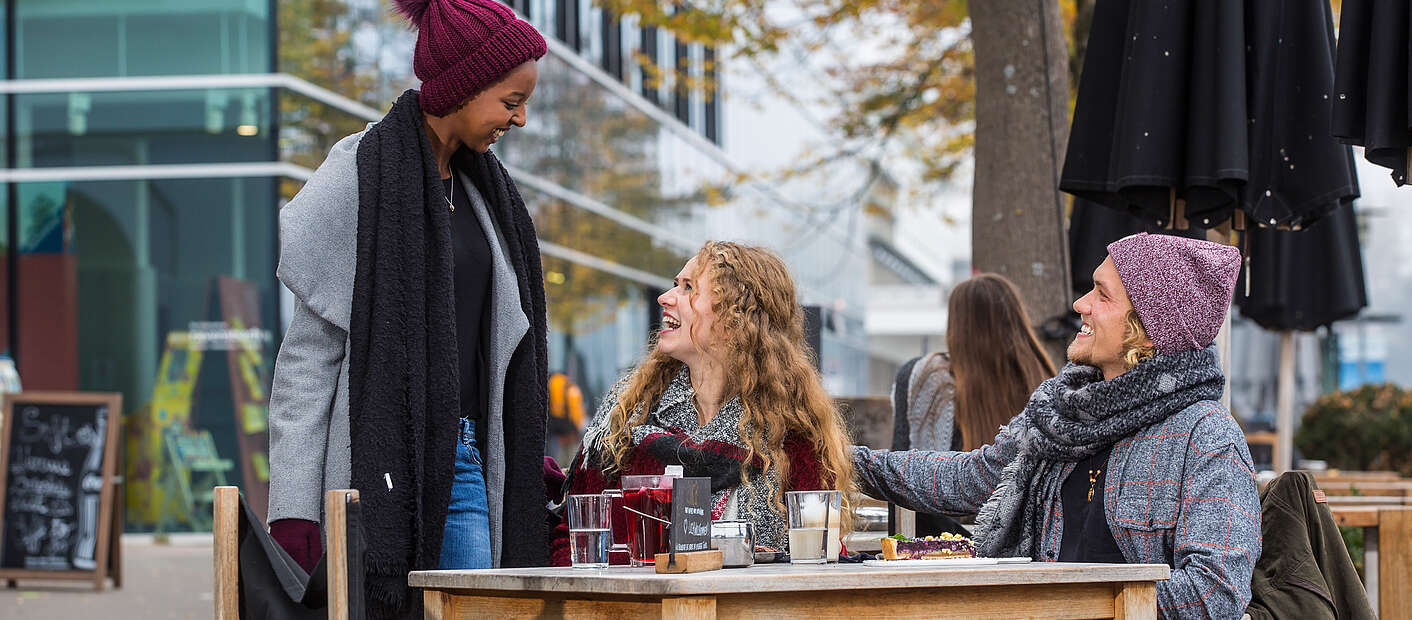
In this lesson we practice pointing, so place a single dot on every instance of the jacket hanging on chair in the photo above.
(1304, 571)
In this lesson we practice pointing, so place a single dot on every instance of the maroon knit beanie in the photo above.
(1181, 288)
(463, 46)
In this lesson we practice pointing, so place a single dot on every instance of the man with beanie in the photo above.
(414, 368)
(1127, 455)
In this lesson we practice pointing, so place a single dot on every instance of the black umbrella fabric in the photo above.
(1373, 81)
(1305, 279)
(1221, 103)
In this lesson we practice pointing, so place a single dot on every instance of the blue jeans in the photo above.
(466, 543)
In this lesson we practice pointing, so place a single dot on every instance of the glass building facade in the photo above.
(149, 145)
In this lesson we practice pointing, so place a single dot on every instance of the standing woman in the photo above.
(414, 368)
(958, 399)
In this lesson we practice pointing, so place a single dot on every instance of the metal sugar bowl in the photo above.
(736, 541)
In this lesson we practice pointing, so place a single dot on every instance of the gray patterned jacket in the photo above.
(1181, 492)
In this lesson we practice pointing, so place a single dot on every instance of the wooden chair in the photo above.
(1394, 488)
(1387, 555)
(1350, 475)
(227, 545)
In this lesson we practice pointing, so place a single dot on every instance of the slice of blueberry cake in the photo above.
(900, 547)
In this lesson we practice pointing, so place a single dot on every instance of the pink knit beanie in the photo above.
(1180, 287)
(464, 46)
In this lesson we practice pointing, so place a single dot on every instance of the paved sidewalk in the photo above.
(159, 582)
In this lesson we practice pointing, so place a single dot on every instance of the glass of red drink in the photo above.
(648, 500)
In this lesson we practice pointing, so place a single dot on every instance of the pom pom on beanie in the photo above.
(413, 9)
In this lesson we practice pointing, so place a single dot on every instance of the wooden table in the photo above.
(1051, 590)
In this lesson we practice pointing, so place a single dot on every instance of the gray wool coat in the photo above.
(310, 448)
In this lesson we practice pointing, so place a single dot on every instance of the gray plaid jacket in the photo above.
(1180, 492)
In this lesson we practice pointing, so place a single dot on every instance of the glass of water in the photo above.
(813, 525)
(618, 553)
(590, 530)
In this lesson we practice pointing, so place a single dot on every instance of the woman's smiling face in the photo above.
(485, 118)
(688, 322)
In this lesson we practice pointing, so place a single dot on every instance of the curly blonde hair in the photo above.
(1136, 345)
(759, 331)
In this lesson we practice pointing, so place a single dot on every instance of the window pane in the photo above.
(160, 290)
(135, 128)
(104, 38)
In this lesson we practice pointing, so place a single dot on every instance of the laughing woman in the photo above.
(414, 367)
(728, 392)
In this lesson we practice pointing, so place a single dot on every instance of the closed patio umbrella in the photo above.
(1306, 279)
(1222, 104)
(1373, 82)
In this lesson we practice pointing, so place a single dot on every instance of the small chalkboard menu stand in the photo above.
(689, 548)
(58, 477)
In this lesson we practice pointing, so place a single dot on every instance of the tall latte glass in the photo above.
(814, 520)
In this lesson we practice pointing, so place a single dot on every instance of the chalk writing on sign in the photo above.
(54, 485)
(691, 520)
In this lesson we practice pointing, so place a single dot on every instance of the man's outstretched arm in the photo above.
(954, 483)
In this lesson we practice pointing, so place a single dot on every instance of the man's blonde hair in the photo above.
(1136, 345)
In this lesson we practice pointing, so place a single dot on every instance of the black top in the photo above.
(1086, 534)
(472, 280)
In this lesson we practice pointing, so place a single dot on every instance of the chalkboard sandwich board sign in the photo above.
(689, 546)
(58, 459)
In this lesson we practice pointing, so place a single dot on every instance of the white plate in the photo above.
(942, 562)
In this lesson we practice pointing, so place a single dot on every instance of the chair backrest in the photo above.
(226, 543)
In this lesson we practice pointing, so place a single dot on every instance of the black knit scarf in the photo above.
(403, 365)
(1072, 417)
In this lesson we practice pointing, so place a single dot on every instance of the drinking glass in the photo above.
(618, 553)
(590, 531)
(813, 525)
(648, 501)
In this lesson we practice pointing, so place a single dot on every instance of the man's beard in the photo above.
(1077, 355)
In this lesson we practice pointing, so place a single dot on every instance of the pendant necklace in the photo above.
(450, 196)
(1092, 479)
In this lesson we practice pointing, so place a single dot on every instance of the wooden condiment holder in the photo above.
(689, 562)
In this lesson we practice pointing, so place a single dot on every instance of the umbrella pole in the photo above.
(1222, 235)
(1284, 405)
(1223, 350)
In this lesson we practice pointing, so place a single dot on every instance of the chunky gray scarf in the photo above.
(1072, 417)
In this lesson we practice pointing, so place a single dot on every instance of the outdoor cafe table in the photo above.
(1039, 589)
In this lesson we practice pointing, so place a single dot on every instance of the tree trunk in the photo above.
(1022, 126)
